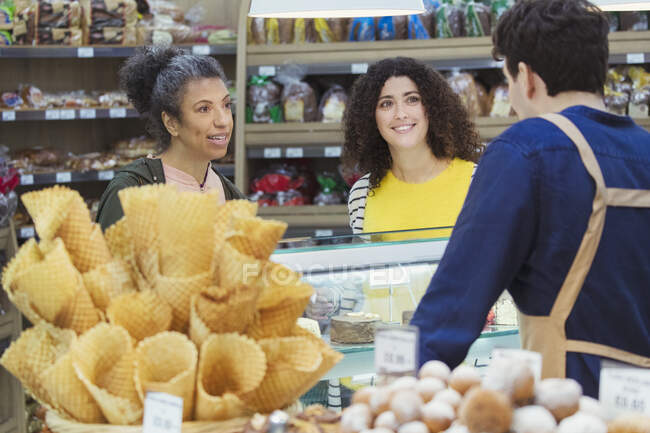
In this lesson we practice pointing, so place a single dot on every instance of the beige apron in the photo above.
(546, 334)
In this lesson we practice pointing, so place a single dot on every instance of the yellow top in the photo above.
(397, 205)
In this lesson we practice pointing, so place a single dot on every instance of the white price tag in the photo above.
(8, 116)
(201, 50)
(117, 113)
(27, 232)
(85, 52)
(324, 232)
(268, 71)
(27, 179)
(87, 113)
(333, 152)
(272, 152)
(105, 175)
(163, 413)
(633, 58)
(359, 68)
(624, 388)
(396, 350)
(532, 359)
(67, 114)
(52, 114)
(294, 152)
(64, 177)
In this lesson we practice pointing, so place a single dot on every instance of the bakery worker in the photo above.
(558, 211)
(187, 106)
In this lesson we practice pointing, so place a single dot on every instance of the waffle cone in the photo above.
(79, 315)
(143, 314)
(167, 363)
(48, 208)
(292, 362)
(229, 365)
(278, 321)
(92, 251)
(178, 292)
(68, 392)
(215, 310)
(256, 237)
(104, 360)
(118, 239)
(146, 268)
(187, 249)
(36, 350)
(330, 356)
(108, 281)
(140, 206)
(237, 269)
(50, 284)
(274, 282)
(27, 255)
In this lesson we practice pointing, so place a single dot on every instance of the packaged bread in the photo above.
(423, 26)
(59, 14)
(361, 29)
(478, 18)
(304, 31)
(32, 95)
(464, 86)
(263, 101)
(500, 101)
(633, 21)
(279, 30)
(332, 105)
(639, 101)
(113, 36)
(450, 21)
(7, 11)
(256, 31)
(50, 36)
(392, 28)
(298, 98)
(483, 99)
(6, 39)
(616, 102)
(24, 27)
(331, 29)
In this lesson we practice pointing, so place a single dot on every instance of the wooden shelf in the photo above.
(93, 51)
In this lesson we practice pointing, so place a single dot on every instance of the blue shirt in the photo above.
(520, 228)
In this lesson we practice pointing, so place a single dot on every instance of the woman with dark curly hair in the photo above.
(410, 133)
(187, 106)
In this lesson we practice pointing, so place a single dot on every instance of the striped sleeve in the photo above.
(357, 203)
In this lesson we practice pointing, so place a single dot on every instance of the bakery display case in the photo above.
(381, 275)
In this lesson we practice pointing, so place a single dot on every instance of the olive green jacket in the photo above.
(144, 171)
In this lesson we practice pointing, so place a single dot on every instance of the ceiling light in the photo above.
(333, 8)
(622, 5)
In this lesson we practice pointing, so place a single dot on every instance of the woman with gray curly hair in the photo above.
(187, 107)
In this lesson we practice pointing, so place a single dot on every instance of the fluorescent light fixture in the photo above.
(622, 5)
(333, 8)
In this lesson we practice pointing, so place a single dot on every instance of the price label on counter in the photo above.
(105, 175)
(635, 58)
(27, 232)
(359, 68)
(63, 177)
(52, 114)
(117, 113)
(201, 50)
(332, 151)
(272, 152)
(163, 413)
(323, 232)
(294, 152)
(268, 71)
(27, 179)
(67, 115)
(396, 350)
(87, 113)
(85, 52)
(532, 359)
(624, 388)
(8, 116)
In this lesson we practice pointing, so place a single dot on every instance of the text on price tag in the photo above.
(294, 152)
(323, 232)
(27, 232)
(332, 151)
(624, 388)
(67, 115)
(163, 413)
(52, 114)
(8, 116)
(201, 50)
(635, 58)
(268, 71)
(85, 52)
(27, 179)
(272, 152)
(396, 350)
(105, 175)
(63, 177)
(117, 113)
(87, 113)
(359, 68)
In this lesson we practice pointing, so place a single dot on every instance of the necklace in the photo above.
(205, 178)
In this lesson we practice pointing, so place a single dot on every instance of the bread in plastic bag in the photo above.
(464, 86)
(263, 101)
(298, 98)
(362, 29)
(332, 105)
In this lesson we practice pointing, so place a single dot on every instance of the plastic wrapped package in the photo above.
(167, 8)
(304, 31)
(332, 105)
(136, 147)
(32, 96)
(423, 26)
(614, 23)
(479, 19)
(163, 30)
(110, 22)
(60, 14)
(6, 39)
(640, 103)
(616, 101)
(24, 28)
(450, 21)
(263, 101)
(362, 29)
(298, 98)
(332, 189)
(256, 31)
(499, 7)
(7, 12)
(331, 29)
(72, 36)
(416, 28)
(618, 80)
(9, 180)
(279, 31)
(500, 101)
(483, 99)
(392, 28)
(633, 21)
(464, 86)
(113, 36)
(11, 100)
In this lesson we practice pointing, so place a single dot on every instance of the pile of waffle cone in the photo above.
(179, 296)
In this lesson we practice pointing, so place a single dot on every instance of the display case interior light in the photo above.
(622, 5)
(333, 8)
